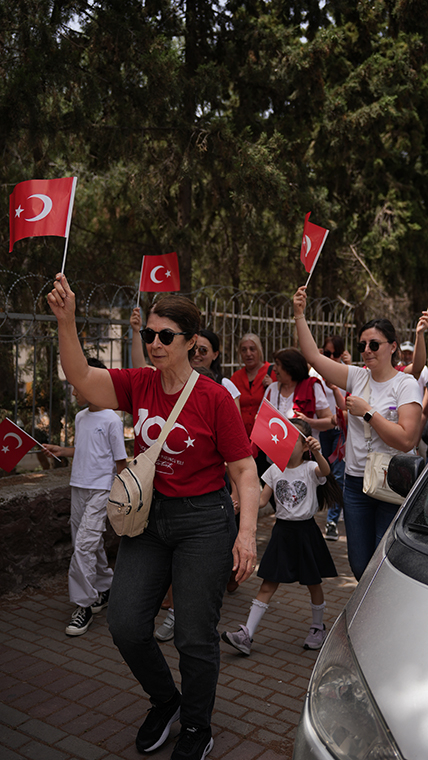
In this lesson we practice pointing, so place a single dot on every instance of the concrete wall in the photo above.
(35, 539)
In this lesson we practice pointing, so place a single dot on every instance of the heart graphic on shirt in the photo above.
(290, 495)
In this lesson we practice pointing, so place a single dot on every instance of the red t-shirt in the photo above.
(208, 432)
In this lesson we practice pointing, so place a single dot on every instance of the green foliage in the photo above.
(212, 129)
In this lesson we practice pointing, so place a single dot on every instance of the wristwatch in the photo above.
(368, 415)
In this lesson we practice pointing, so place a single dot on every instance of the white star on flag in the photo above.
(18, 211)
(190, 441)
(168, 273)
(275, 439)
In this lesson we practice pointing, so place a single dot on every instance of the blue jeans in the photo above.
(328, 441)
(366, 520)
(188, 542)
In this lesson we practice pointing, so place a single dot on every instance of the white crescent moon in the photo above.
(47, 207)
(14, 435)
(281, 423)
(308, 244)
(153, 274)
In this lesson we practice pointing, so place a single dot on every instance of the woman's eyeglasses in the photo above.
(328, 353)
(372, 344)
(202, 350)
(165, 336)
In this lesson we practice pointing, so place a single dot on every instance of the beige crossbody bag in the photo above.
(131, 494)
(376, 470)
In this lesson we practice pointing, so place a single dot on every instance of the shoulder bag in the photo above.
(376, 470)
(131, 494)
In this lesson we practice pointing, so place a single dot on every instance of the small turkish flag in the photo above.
(160, 273)
(313, 240)
(41, 207)
(274, 434)
(14, 444)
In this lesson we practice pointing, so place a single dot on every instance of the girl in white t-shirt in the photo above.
(296, 550)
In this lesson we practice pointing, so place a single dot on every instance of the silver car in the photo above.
(368, 695)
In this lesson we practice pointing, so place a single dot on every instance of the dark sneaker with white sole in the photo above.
(155, 729)
(331, 532)
(80, 621)
(193, 744)
(101, 602)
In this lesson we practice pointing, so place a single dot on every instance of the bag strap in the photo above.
(366, 396)
(184, 395)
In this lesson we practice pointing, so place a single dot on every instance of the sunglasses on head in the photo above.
(328, 353)
(372, 344)
(165, 336)
(202, 350)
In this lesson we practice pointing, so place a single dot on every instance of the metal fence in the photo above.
(32, 375)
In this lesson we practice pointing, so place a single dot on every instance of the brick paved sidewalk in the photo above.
(74, 699)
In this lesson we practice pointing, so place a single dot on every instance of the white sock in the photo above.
(317, 614)
(257, 611)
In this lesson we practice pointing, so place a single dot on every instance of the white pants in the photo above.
(89, 573)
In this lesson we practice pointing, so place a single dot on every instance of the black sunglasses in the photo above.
(328, 353)
(202, 350)
(372, 344)
(165, 336)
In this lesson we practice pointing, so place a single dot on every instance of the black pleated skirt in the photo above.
(297, 551)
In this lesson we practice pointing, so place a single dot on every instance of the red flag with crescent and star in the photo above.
(313, 240)
(41, 207)
(14, 444)
(274, 434)
(160, 274)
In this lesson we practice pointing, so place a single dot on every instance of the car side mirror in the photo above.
(403, 472)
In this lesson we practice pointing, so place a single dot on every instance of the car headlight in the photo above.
(341, 707)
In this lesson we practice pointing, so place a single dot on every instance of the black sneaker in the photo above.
(193, 744)
(331, 532)
(80, 621)
(155, 729)
(101, 602)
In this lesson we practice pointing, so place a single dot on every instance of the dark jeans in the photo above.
(366, 520)
(328, 441)
(189, 542)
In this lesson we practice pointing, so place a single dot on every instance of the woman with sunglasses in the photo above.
(375, 390)
(207, 354)
(191, 535)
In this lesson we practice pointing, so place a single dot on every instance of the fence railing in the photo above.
(34, 389)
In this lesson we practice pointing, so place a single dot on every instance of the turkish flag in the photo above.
(160, 273)
(274, 434)
(41, 207)
(14, 444)
(313, 240)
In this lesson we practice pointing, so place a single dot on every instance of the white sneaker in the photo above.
(240, 640)
(315, 638)
(165, 632)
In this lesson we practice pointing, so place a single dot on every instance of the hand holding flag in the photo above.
(14, 444)
(313, 240)
(274, 434)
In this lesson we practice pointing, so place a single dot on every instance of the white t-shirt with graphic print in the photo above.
(294, 490)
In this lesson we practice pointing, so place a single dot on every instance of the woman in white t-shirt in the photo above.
(374, 390)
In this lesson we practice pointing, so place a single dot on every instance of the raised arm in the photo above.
(137, 353)
(420, 352)
(330, 371)
(95, 384)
